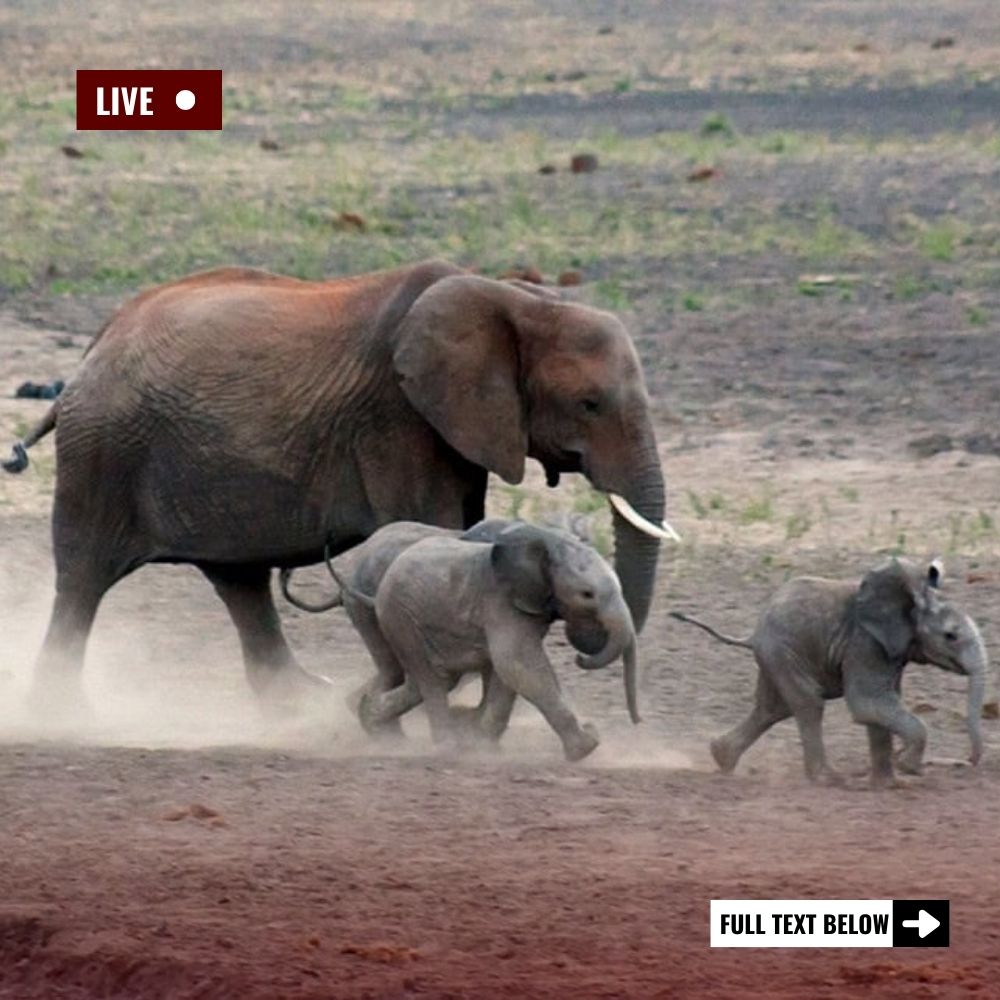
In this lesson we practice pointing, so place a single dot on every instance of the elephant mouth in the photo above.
(562, 461)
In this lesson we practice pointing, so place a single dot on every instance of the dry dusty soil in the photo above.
(179, 844)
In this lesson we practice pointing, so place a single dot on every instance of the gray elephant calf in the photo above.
(821, 639)
(446, 606)
(359, 572)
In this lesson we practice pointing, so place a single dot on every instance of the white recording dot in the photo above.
(185, 100)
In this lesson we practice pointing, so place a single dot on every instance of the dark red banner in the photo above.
(115, 99)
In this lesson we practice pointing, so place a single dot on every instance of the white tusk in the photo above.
(636, 519)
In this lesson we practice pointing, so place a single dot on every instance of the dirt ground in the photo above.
(179, 844)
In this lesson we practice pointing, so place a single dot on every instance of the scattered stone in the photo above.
(980, 578)
(703, 174)
(351, 220)
(606, 29)
(991, 710)
(199, 811)
(930, 444)
(547, 168)
(195, 811)
(944, 42)
(73, 152)
(529, 274)
(387, 954)
(569, 278)
(583, 163)
(575, 74)
(924, 708)
(270, 145)
(40, 390)
(862, 47)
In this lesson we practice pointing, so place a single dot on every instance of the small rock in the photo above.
(606, 29)
(703, 174)
(944, 42)
(583, 163)
(270, 145)
(40, 390)
(575, 74)
(174, 815)
(351, 220)
(72, 152)
(547, 168)
(199, 811)
(387, 954)
(991, 710)
(569, 278)
(530, 274)
(930, 444)
(924, 708)
(862, 47)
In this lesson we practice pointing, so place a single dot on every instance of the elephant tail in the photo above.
(285, 578)
(727, 639)
(346, 589)
(18, 460)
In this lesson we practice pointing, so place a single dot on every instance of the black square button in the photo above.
(920, 923)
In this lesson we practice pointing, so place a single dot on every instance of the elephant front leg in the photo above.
(885, 717)
(521, 664)
(379, 710)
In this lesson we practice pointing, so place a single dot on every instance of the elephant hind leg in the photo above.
(56, 688)
(769, 707)
(271, 667)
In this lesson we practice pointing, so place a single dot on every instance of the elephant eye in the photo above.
(590, 405)
(951, 636)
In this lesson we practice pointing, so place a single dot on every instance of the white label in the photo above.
(801, 923)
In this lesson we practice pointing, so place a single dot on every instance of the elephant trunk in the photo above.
(976, 665)
(621, 642)
(631, 661)
(636, 551)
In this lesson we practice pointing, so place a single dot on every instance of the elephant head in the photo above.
(552, 575)
(900, 606)
(503, 374)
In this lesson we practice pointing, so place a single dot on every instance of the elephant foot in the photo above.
(374, 722)
(723, 754)
(583, 743)
(827, 777)
(885, 782)
(59, 702)
(288, 690)
(910, 763)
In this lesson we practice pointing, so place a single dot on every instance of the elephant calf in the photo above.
(359, 571)
(447, 606)
(821, 639)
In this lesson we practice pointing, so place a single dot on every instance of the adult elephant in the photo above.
(240, 421)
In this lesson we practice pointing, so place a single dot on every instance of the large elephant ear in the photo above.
(886, 607)
(521, 562)
(457, 356)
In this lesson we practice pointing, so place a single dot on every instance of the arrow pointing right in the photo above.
(925, 923)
